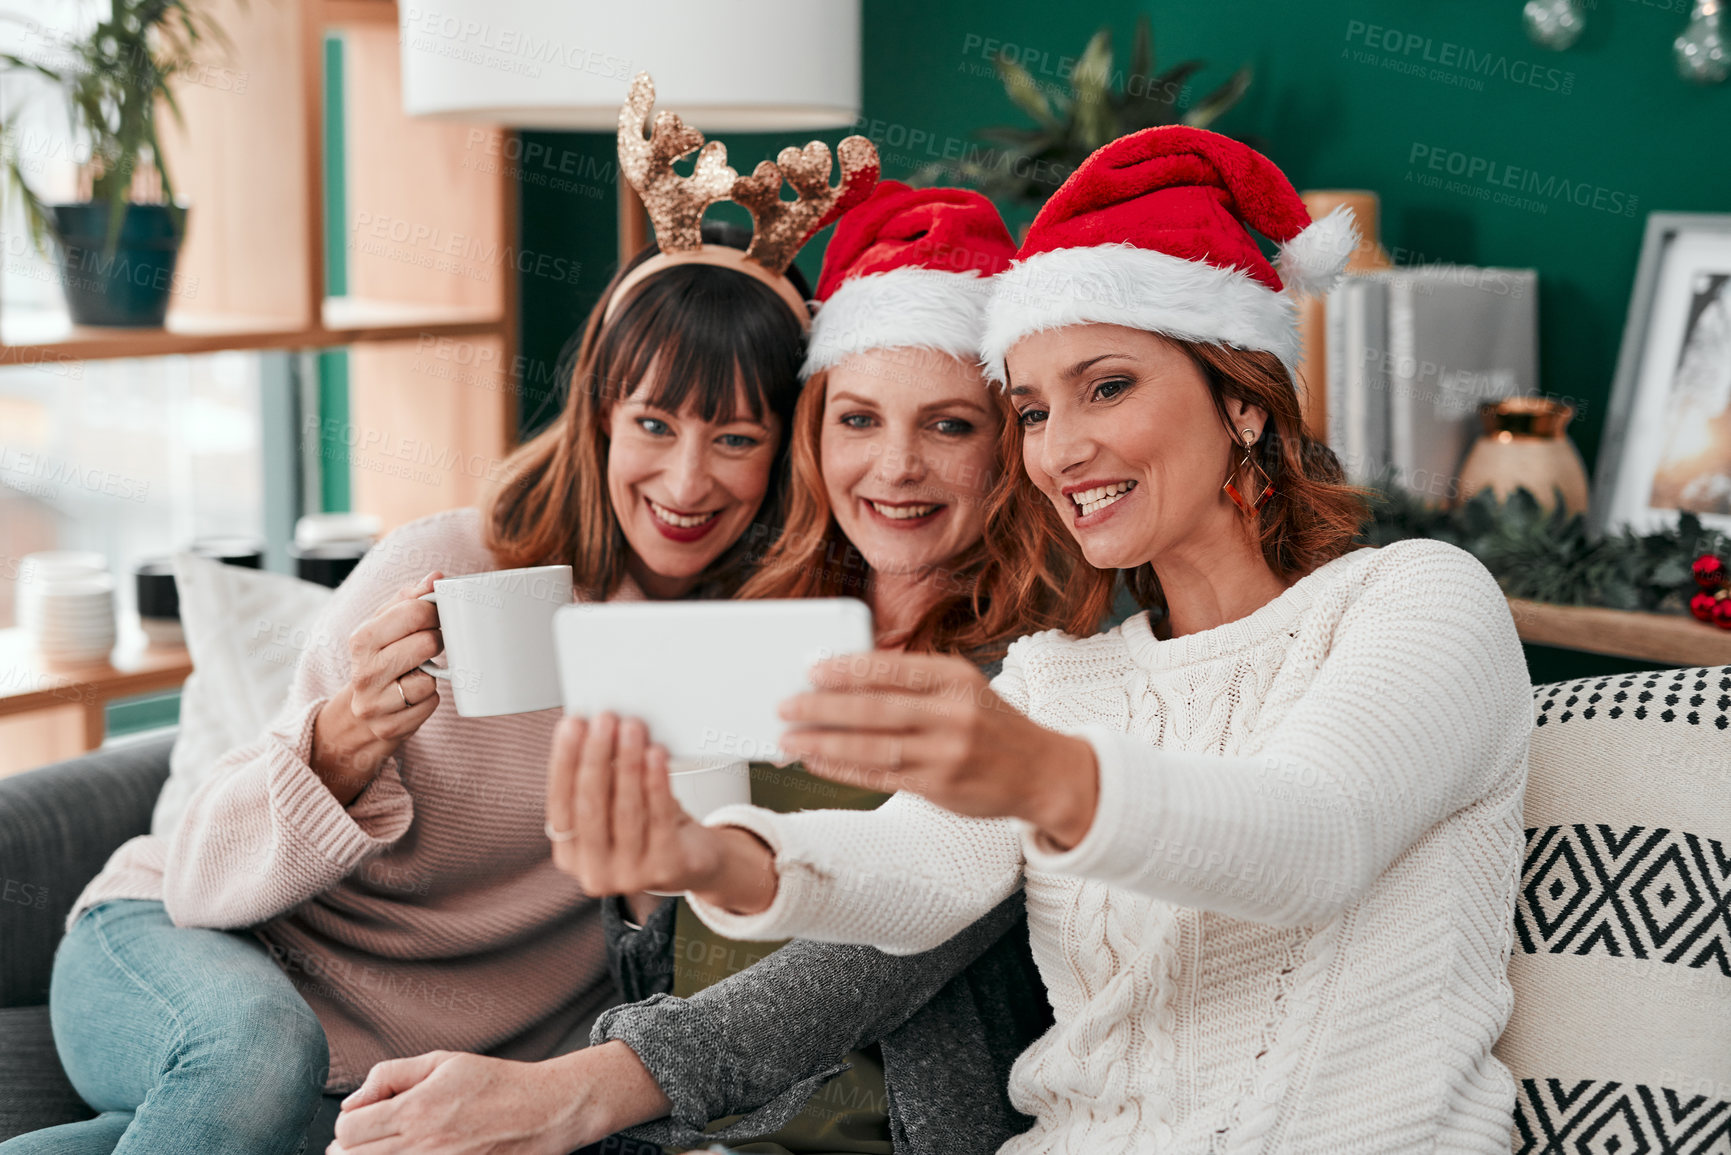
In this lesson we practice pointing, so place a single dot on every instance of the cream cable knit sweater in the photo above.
(1289, 926)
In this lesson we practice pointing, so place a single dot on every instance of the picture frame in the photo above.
(1667, 440)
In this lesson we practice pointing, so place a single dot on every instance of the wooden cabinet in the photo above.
(421, 234)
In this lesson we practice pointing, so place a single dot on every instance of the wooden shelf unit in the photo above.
(346, 321)
(428, 241)
(1673, 639)
(248, 159)
(51, 711)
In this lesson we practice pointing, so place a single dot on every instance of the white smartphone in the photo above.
(706, 676)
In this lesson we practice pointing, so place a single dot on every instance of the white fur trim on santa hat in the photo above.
(1313, 260)
(1140, 288)
(907, 307)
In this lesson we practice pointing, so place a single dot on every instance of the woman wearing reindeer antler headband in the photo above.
(657, 480)
(676, 204)
(687, 321)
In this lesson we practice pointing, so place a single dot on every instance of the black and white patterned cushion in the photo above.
(1620, 1039)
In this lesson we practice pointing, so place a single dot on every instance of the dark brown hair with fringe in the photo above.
(707, 335)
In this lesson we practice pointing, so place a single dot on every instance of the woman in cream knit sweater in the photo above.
(1269, 831)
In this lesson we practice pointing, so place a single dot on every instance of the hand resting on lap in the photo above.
(447, 1103)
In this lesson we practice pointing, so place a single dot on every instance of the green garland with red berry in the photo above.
(1550, 555)
(1713, 602)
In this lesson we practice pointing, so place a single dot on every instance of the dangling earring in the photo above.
(1266, 490)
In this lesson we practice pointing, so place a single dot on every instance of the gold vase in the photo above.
(1523, 446)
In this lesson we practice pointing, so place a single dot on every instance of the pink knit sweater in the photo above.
(425, 915)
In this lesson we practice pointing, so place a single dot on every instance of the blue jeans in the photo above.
(185, 1041)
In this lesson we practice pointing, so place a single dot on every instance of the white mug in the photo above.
(498, 631)
(704, 785)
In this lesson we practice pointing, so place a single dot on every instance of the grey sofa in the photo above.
(58, 825)
(1595, 746)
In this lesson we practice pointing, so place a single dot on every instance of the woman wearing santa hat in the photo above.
(903, 479)
(1269, 830)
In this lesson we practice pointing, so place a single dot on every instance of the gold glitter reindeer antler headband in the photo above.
(676, 203)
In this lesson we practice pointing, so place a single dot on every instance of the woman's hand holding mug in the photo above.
(387, 697)
(617, 829)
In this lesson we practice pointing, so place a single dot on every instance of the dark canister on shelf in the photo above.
(328, 563)
(241, 551)
(158, 601)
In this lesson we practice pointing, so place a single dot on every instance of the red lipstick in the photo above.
(680, 533)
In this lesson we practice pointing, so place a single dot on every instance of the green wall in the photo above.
(1334, 112)
(1344, 96)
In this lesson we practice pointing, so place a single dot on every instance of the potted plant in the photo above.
(117, 248)
(1103, 103)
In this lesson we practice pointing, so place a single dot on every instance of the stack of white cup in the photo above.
(66, 604)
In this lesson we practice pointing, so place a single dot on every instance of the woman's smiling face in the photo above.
(1121, 433)
(908, 453)
(684, 488)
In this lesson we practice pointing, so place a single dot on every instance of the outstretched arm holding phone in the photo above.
(633, 835)
(903, 878)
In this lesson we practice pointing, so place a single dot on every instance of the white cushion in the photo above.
(1620, 1039)
(245, 630)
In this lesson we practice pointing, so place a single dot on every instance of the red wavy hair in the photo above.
(1314, 514)
(1019, 578)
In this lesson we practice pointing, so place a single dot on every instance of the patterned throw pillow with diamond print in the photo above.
(1620, 1040)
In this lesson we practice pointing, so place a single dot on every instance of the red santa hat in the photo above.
(908, 267)
(1152, 232)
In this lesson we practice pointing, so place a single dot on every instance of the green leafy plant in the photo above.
(113, 78)
(1551, 555)
(1029, 164)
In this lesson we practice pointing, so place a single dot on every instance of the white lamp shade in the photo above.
(723, 65)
